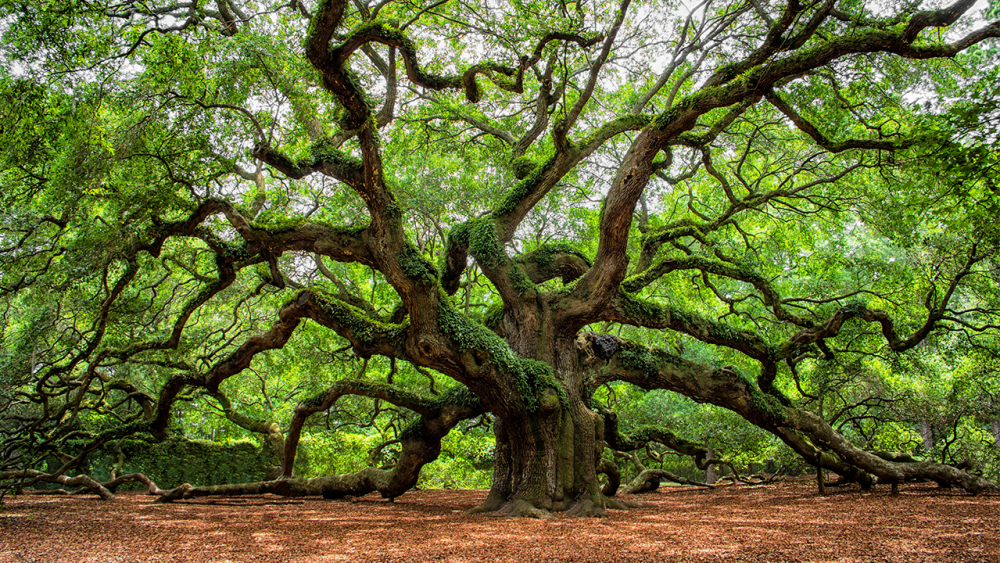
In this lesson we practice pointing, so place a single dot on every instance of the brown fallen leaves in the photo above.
(786, 522)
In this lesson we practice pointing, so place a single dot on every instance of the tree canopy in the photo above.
(550, 218)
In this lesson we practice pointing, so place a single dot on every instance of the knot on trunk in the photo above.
(428, 347)
(605, 346)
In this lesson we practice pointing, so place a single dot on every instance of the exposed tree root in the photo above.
(516, 508)
(587, 508)
(520, 508)
(583, 507)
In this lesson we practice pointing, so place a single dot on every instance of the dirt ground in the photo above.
(787, 522)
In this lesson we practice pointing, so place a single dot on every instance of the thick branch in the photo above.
(639, 437)
(78, 481)
(324, 158)
(554, 261)
(727, 388)
(768, 293)
(649, 480)
(631, 310)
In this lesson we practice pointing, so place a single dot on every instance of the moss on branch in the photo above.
(554, 260)
(530, 378)
(641, 312)
(524, 188)
(364, 332)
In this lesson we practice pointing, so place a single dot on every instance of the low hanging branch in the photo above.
(420, 444)
(104, 490)
(649, 480)
(803, 431)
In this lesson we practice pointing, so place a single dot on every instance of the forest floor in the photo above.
(786, 522)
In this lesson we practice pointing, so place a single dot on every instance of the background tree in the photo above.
(504, 208)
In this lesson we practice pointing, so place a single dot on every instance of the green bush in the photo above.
(324, 453)
(177, 461)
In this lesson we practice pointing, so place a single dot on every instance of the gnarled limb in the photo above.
(324, 158)
(80, 480)
(631, 310)
(614, 475)
(553, 261)
(656, 369)
(367, 335)
(598, 287)
(639, 437)
(326, 399)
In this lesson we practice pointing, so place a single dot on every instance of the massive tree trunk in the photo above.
(548, 450)
(547, 461)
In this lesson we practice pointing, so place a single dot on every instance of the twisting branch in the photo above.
(634, 311)
(554, 261)
(500, 75)
(823, 141)
(78, 481)
(640, 437)
(935, 314)
(324, 158)
(805, 432)
(326, 399)
(559, 133)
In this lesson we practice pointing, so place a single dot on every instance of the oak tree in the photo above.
(534, 200)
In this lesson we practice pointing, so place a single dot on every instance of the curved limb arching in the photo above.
(423, 406)
(805, 432)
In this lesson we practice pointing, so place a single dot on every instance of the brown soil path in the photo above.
(786, 522)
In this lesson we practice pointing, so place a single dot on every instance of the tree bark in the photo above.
(548, 461)
(547, 458)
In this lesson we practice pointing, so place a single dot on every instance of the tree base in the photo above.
(522, 508)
